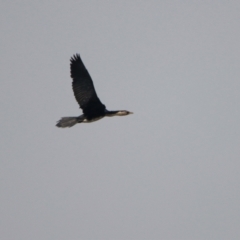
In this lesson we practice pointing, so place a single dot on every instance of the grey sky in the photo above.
(171, 170)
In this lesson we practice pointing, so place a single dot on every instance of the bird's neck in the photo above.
(110, 113)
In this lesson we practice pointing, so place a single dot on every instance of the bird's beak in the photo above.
(130, 112)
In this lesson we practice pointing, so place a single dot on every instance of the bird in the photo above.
(86, 96)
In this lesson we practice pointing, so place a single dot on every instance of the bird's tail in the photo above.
(68, 122)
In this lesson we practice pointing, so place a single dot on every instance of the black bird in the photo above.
(86, 97)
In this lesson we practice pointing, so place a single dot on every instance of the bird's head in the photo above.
(123, 113)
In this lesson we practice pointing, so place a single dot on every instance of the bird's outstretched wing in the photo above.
(83, 89)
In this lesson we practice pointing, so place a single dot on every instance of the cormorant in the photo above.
(86, 97)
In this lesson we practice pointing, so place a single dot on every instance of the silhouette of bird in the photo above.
(86, 97)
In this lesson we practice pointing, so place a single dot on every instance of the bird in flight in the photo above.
(86, 97)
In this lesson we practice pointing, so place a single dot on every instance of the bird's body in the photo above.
(86, 97)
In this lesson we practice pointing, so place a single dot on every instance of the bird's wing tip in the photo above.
(75, 57)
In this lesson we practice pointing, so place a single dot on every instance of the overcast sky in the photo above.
(170, 171)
